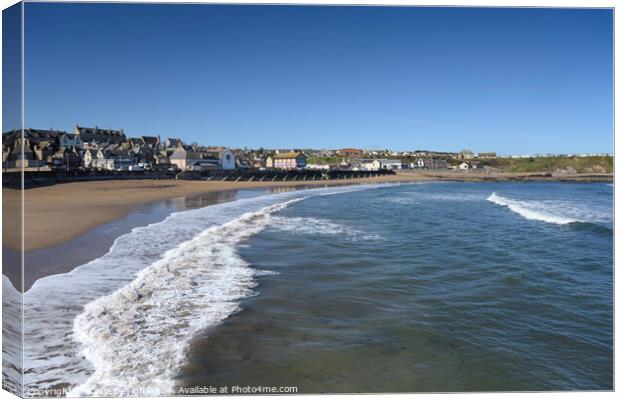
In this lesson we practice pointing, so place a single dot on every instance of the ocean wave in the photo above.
(137, 336)
(186, 261)
(552, 211)
(11, 337)
(314, 226)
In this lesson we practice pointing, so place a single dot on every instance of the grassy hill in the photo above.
(324, 160)
(595, 164)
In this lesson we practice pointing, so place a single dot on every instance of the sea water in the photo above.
(377, 288)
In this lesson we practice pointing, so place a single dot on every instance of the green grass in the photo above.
(323, 160)
(595, 164)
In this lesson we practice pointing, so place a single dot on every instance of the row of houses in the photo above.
(359, 153)
(376, 164)
(94, 148)
(107, 149)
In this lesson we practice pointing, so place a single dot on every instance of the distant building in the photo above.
(89, 134)
(370, 165)
(350, 152)
(317, 166)
(440, 164)
(70, 140)
(187, 159)
(171, 142)
(89, 156)
(161, 160)
(225, 158)
(259, 162)
(287, 161)
(429, 163)
(152, 141)
(463, 166)
(466, 154)
(183, 159)
(419, 163)
(487, 155)
(390, 164)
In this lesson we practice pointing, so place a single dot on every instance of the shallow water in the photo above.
(425, 287)
(389, 288)
(119, 324)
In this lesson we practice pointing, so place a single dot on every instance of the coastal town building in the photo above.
(287, 161)
(198, 160)
(429, 163)
(151, 141)
(466, 154)
(225, 158)
(183, 159)
(370, 164)
(419, 163)
(70, 140)
(99, 135)
(172, 142)
(350, 152)
(96, 149)
(440, 164)
(90, 155)
(316, 166)
(487, 155)
(390, 164)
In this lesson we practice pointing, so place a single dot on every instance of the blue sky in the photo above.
(505, 80)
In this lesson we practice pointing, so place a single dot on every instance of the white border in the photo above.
(479, 3)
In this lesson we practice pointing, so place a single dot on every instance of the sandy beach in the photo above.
(62, 212)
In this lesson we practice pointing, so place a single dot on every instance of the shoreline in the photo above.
(58, 213)
(66, 256)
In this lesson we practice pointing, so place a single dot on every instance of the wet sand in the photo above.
(61, 212)
(67, 255)
(55, 214)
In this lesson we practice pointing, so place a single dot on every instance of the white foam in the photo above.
(11, 336)
(139, 304)
(533, 210)
(315, 226)
(137, 336)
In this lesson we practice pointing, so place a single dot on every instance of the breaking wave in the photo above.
(315, 226)
(11, 337)
(137, 336)
(555, 211)
(123, 321)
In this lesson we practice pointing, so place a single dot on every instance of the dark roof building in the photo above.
(88, 134)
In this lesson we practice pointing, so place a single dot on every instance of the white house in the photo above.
(102, 163)
(225, 157)
(370, 164)
(419, 164)
(463, 166)
(390, 164)
(89, 156)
